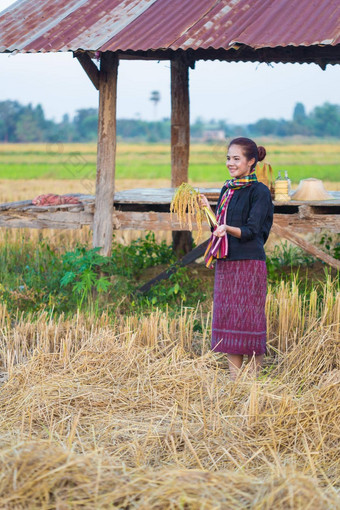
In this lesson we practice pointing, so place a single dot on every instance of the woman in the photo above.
(245, 215)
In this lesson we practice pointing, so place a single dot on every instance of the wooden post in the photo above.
(106, 153)
(180, 140)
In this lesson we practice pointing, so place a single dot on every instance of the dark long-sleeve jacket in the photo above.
(251, 209)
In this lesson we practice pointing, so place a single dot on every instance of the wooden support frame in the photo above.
(89, 67)
(106, 153)
(288, 234)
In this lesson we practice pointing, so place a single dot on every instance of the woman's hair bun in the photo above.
(262, 152)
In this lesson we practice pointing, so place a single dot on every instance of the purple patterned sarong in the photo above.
(239, 320)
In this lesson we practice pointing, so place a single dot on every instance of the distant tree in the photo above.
(39, 116)
(263, 127)
(30, 125)
(155, 98)
(284, 128)
(9, 115)
(236, 131)
(65, 130)
(86, 124)
(197, 128)
(2, 130)
(299, 115)
(325, 120)
(26, 123)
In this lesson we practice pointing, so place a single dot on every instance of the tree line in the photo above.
(26, 123)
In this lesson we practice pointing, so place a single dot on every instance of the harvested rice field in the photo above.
(137, 412)
(119, 411)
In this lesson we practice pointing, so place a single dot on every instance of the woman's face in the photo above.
(237, 163)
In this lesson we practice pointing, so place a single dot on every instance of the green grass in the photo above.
(207, 163)
(150, 170)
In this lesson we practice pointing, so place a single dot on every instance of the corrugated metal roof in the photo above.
(100, 25)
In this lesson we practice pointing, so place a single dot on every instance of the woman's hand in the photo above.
(203, 201)
(220, 231)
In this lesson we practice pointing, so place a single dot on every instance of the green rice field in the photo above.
(152, 161)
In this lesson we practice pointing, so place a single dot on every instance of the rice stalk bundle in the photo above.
(264, 174)
(186, 205)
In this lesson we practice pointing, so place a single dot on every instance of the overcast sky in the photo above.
(237, 92)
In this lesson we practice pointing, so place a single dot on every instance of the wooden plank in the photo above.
(27, 203)
(142, 55)
(42, 220)
(164, 196)
(52, 208)
(14, 205)
(288, 234)
(150, 220)
(156, 195)
(106, 154)
(315, 223)
(89, 67)
(187, 259)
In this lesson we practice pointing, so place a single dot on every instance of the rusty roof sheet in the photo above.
(120, 25)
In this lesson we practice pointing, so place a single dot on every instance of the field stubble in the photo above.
(139, 413)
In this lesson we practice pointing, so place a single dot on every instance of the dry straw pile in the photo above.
(140, 414)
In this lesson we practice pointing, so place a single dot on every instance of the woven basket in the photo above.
(311, 189)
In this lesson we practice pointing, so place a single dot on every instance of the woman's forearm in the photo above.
(233, 231)
(223, 229)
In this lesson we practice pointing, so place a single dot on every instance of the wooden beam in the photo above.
(89, 67)
(316, 223)
(106, 153)
(150, 220)
(19, 214)
(305, 245)
(68, 219)
(320, 55)
(15, 205)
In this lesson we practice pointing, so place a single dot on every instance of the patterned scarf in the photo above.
(218, 246)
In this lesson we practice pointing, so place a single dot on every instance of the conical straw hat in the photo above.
(311, 189)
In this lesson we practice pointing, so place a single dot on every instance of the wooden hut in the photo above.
(182, 31)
